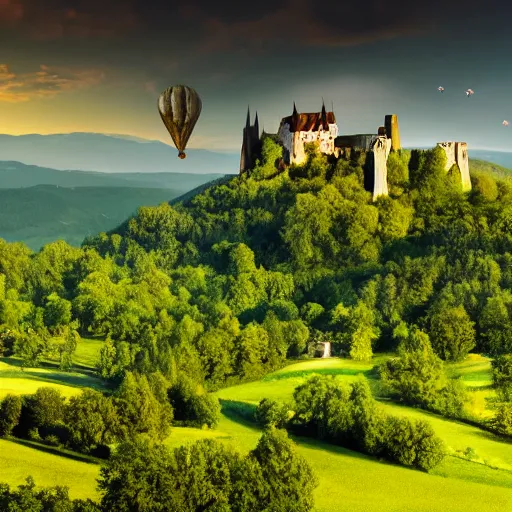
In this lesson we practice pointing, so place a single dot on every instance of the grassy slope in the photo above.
(17, 462)
(349, 481)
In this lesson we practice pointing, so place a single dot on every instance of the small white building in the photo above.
(299, 129)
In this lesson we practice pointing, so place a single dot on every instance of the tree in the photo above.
(452, 333)
(92, 420)
(416, 375)
(288, 475)
(502, 376)
(10, 412)
(47, 407)
(57, 311)
(140, 476)
(502, 422)
(270, 413)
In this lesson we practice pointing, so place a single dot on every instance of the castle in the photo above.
(320, 128)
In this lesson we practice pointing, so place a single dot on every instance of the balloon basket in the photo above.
(182, 155)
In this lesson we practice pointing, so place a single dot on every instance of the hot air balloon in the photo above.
(469, 92)
(180, 107)
(440, 89)
(505, 123)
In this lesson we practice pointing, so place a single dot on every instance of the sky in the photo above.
(99, 66)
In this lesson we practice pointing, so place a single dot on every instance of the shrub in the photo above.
(502, 422)
(412, 443)
(271, 414)
(52, 440)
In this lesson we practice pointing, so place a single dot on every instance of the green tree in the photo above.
(10, 412)
(502, 376)
(288, 475)
(92, 420)
(452, 333)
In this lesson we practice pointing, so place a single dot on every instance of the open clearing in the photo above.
(349, 481)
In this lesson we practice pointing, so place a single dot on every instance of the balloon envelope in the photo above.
(180, 107)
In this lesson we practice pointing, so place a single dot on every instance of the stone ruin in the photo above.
(457, 154)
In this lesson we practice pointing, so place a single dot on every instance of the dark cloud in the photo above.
(221, 25)
(56, 19)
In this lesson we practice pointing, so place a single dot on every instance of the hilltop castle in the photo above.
(320, 128)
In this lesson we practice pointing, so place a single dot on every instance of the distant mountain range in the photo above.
(18, 175)
(112, 154)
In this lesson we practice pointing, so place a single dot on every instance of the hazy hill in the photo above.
(16, 175)
(502, 158)
(45, 213)
(113, 154)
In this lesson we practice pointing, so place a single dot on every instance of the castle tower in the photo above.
(250, 143)
(392, 131)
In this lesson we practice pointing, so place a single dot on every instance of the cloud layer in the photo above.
(45, 83)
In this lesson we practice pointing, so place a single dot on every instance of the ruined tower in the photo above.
(392, 131)
(457, 153)
(380, 149)
(250, 143)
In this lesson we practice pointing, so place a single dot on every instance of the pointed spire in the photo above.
(294, 109)
(248, 121)
(324, 116)
(256, 125)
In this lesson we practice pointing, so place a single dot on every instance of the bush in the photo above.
(502, 422)
(192, 404)
(52, 440)
(33, 434)
(412, 443)
(271, 414)
(348, 415)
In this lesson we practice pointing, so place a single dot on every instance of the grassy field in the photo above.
(18, 380)
(17, 462)
(349, 481)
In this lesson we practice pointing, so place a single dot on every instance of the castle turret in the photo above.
(392, 131)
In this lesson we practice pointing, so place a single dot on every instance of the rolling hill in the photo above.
(18, 175)
(45, 213)
(111, 154)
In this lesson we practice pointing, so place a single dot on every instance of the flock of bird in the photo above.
(469, 93)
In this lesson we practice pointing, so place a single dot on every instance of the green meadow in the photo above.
(348, 481)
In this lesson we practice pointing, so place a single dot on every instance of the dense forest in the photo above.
(227, 285)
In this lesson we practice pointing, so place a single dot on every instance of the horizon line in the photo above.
(143, 140)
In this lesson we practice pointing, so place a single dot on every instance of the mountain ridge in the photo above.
(83, 151)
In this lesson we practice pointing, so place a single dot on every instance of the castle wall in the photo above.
(361, 141)
(381, 148)
(457, 153)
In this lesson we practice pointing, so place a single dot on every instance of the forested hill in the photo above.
(233, 280)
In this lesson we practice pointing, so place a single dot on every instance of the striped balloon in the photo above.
(180, 107)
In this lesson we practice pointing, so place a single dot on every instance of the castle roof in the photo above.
(306, 122)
